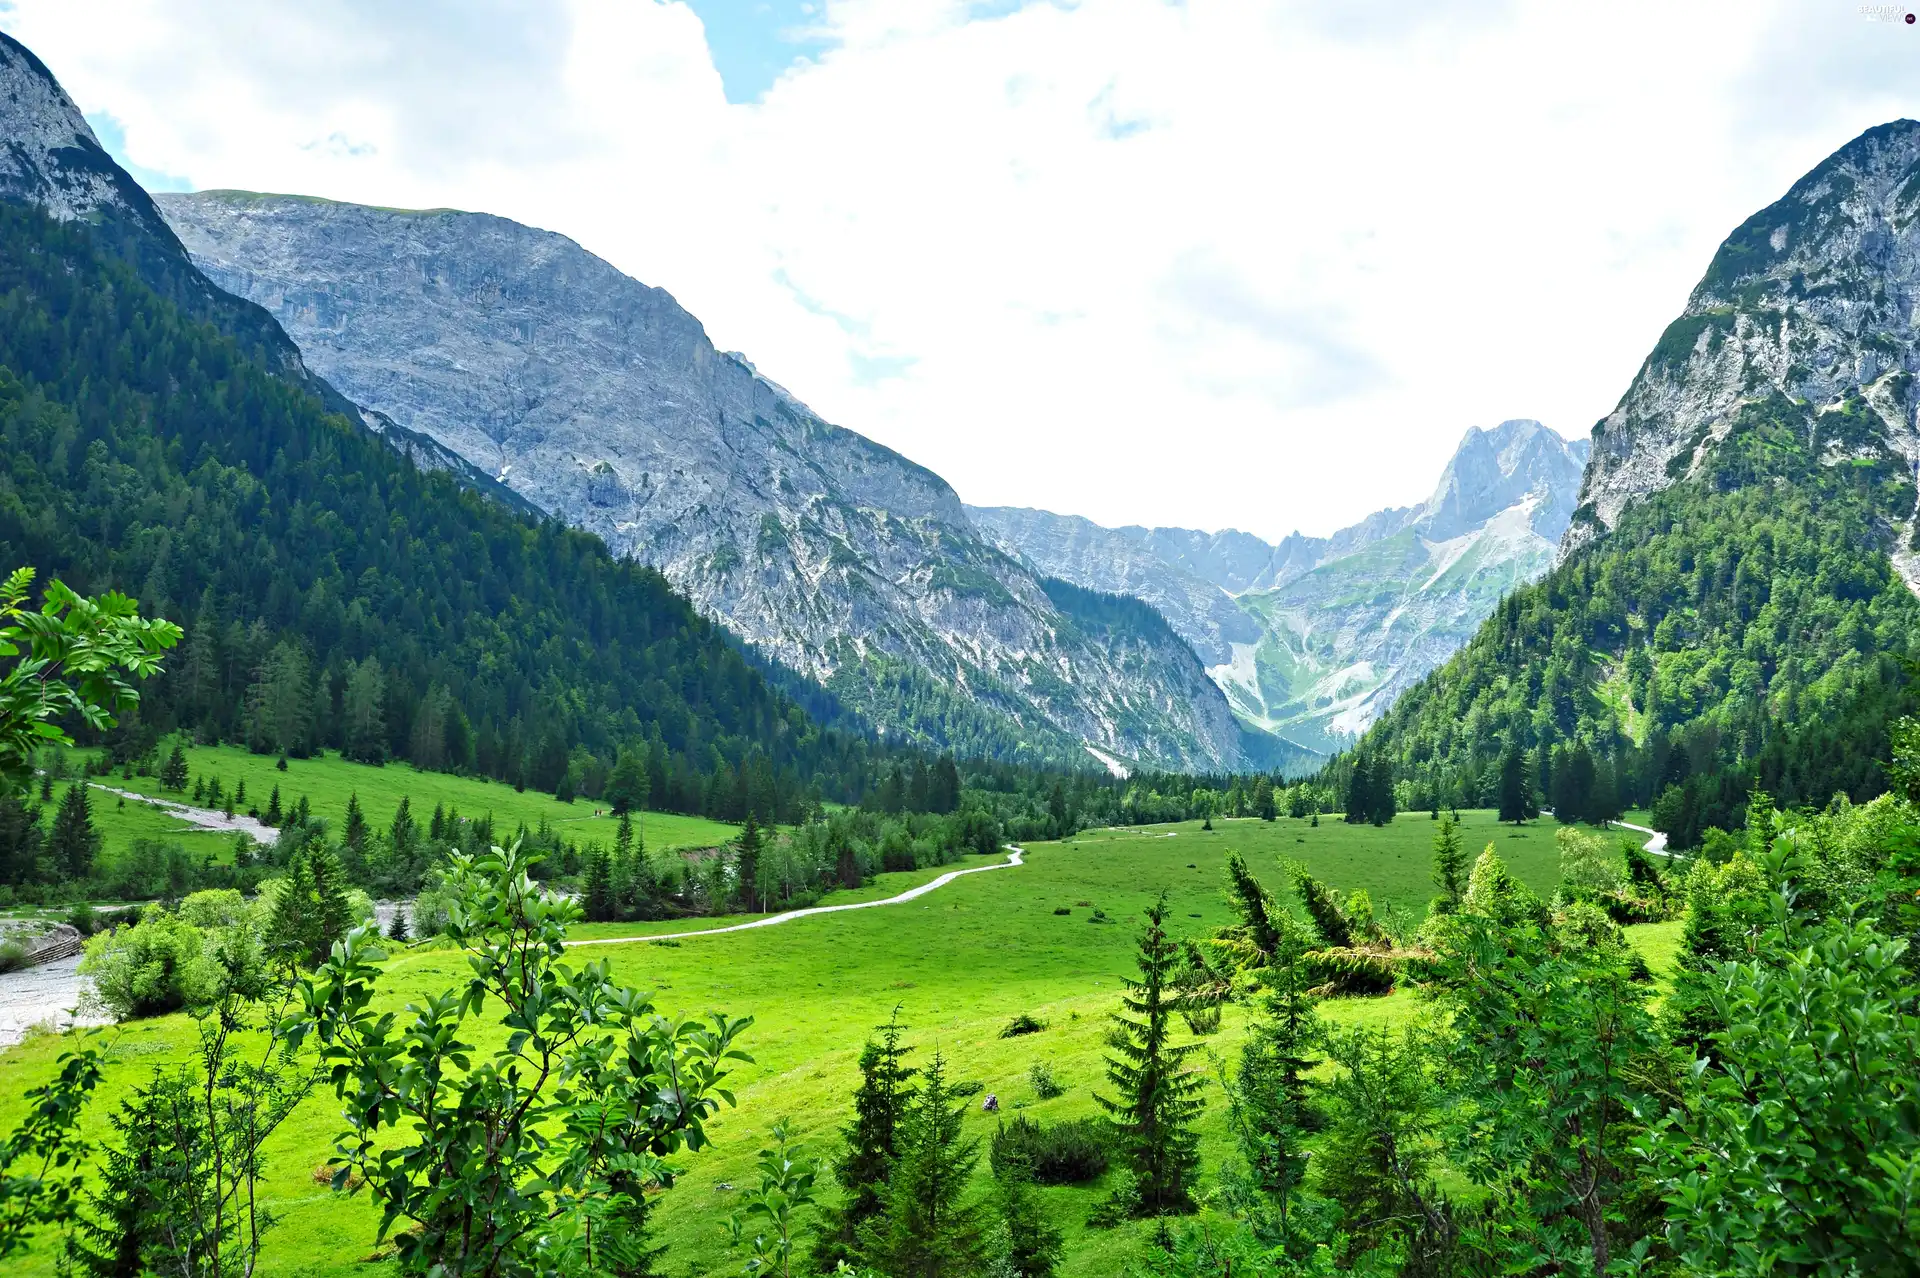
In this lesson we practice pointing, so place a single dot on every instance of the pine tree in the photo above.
(1516, 787)
(601, 905)
(74, 842)
(1384, 806)
(273, 815)
(1033, 1241)
(1330, 922)
(1157, 1096)
(403, 833)
(620, 868)
(173, 773)
(928, 1230)
(312, 912)
(397, 930)
(363, 713)
(1269, 1106)
(1263, 799)
(872, 1144)
(746, 862)
(1360, 800)
(1449, 866)
(354, 835)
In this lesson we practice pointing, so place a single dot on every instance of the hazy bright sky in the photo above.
(1219, 263)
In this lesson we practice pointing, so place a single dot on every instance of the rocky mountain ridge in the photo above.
(601, 401)
(1311, 637)
(1811, 299)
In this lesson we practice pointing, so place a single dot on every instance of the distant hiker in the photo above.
(991, 1104)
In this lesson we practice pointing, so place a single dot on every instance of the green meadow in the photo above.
(958, 964)
(327, 780)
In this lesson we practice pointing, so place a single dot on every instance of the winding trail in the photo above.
(1657, 844)
(205, 818)
(1015, 856)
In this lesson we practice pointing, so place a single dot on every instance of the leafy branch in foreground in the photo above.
(74, 652)
(36, 1185)
(534, 1158)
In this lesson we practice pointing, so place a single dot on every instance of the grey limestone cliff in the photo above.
(1813, 298)
(600, 400)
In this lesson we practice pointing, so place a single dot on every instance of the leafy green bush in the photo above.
(13, 956)
(1069, 1153)
(159, 965)
(1045, 1085)
(1022, 1024)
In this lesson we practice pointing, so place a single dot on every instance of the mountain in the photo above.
(1311, 638)
(601, 401)
(54, 162)
(161, 437)
(1735, 591)
(1811, 300)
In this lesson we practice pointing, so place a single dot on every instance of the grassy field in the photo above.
(958, 963)
(327, 780)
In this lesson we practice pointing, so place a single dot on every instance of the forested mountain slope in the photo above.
(602, 401)
(160, 437)
(1730, 603)
(1312, 637)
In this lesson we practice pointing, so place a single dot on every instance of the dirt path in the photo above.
(1014, 857)
(1657, 844)
(205, 818)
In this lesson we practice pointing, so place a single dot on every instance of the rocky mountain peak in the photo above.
(1813, 299)
(52, 158)
(1493, 470)
(600, 400)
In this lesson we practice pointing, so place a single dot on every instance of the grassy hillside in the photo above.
(327, 780)
(959, 963)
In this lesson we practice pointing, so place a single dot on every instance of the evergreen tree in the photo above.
(363, 713)
(1360, 798)
(312, 912)
(1033, 1242)
(1330, 922)
(354, 834)
(1157, 1096)
(943, 787)
(1263, 799)
(1516, 787)
(929, 1231)
(403, 833)
(1270, 1112)
(620, 869)
(642, 887)
(563, 789)
(279, 702)
(397, 930)
(872, 1144)
(173, 773)
(74, 842)
(1449, 866)
(601, 905)
(747, 849)
(1384, 806)
(21, 839)
(273, 815)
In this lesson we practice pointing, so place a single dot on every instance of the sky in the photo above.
(1212, 264)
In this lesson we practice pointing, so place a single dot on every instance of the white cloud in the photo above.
(1214, 263)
